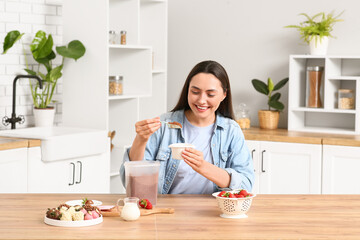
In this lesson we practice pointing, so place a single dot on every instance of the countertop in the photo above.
(277, 135)
(195, 217)
(283, 135)
(7, 143)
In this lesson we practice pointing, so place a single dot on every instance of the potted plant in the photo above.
(269, 119)
(316, 31)
(42, 51)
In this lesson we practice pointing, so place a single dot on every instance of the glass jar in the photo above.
(115, 85)
(243, 116)
(112, 37)
(346, 99)
(313, 85)
(123, 37)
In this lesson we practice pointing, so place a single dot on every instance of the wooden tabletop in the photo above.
(195, 217)
(283, 135)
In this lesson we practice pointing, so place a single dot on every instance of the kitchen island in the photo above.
(195, 217)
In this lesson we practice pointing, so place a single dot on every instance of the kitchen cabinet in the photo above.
(341, 166)
(340, 72)
(79, 175)
(286, 168)
(13, 170)
(142, 62)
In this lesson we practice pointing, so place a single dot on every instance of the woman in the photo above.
(220, 158)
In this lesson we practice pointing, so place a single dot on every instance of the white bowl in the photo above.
(233, 207)
(177, 149)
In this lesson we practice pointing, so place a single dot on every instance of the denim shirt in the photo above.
(228, 149)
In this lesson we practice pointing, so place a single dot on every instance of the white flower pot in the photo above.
(44, 117)
(319, 46)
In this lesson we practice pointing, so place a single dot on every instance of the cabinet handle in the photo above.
(77, 182)
(252, 156)
(262, 161)
(73, 173)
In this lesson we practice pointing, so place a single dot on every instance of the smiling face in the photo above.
(204, 97)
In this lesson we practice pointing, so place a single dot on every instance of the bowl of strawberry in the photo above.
(235, 203)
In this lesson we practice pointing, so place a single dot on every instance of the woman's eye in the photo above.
(211, 95)
(195, 92)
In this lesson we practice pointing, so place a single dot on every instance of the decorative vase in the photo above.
(44, 117)
(268, 119)
(319, 45)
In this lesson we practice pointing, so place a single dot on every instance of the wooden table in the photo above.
(195, 217)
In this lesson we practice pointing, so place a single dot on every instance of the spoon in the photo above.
(172, 124)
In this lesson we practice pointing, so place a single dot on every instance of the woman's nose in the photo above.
(202, 98)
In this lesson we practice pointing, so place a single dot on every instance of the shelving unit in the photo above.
(142, 62)
(339, 72)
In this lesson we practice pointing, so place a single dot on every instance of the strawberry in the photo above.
(231, 195)
(243, 192)
(145, 203)
(221, 194)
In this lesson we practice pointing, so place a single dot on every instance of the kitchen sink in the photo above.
(58, 143)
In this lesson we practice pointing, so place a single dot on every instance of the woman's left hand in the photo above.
(195, 159)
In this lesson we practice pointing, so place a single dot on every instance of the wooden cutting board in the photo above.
(113, 212)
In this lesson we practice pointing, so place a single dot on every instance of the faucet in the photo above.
(13, 120)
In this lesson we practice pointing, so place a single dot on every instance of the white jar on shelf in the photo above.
(112, 37)
(346, 99)
(115, 85)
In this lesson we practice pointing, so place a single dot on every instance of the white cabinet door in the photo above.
(290, 168)
(49, 177)
(13, 171)
(286, 168)
(341, 166)
(254, 148)
(92, 174)
(80, 175)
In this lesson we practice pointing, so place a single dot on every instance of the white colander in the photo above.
(233, 207)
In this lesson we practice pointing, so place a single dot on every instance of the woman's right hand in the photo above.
(145, 128)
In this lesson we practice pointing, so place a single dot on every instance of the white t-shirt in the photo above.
(187, 181)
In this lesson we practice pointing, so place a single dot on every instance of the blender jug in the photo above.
(142, 179)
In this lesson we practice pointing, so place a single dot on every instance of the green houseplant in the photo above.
(316, 30)
(42, 52)
(269, 119)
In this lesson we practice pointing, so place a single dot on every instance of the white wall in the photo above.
(249, 39)
(27, 16)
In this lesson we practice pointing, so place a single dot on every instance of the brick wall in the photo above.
(27, 16)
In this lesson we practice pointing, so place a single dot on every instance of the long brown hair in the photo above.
(225, 108)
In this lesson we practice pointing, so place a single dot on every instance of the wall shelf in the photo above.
(339, 72)
(142, 62)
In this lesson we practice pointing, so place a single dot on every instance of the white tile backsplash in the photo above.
(27, 16)
(32, 18)
(18, 7)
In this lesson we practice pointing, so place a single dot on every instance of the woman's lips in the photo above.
(201, 108)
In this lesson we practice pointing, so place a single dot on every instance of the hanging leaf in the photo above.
(10, 39)
(31, 72)
(281, 84)
(41, 46)
(260, 86)
(277, 105)
(74, 50)
(275, 97)
(56, 73)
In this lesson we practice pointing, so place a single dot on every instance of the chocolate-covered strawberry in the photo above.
(87, 202)
(53, 213)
